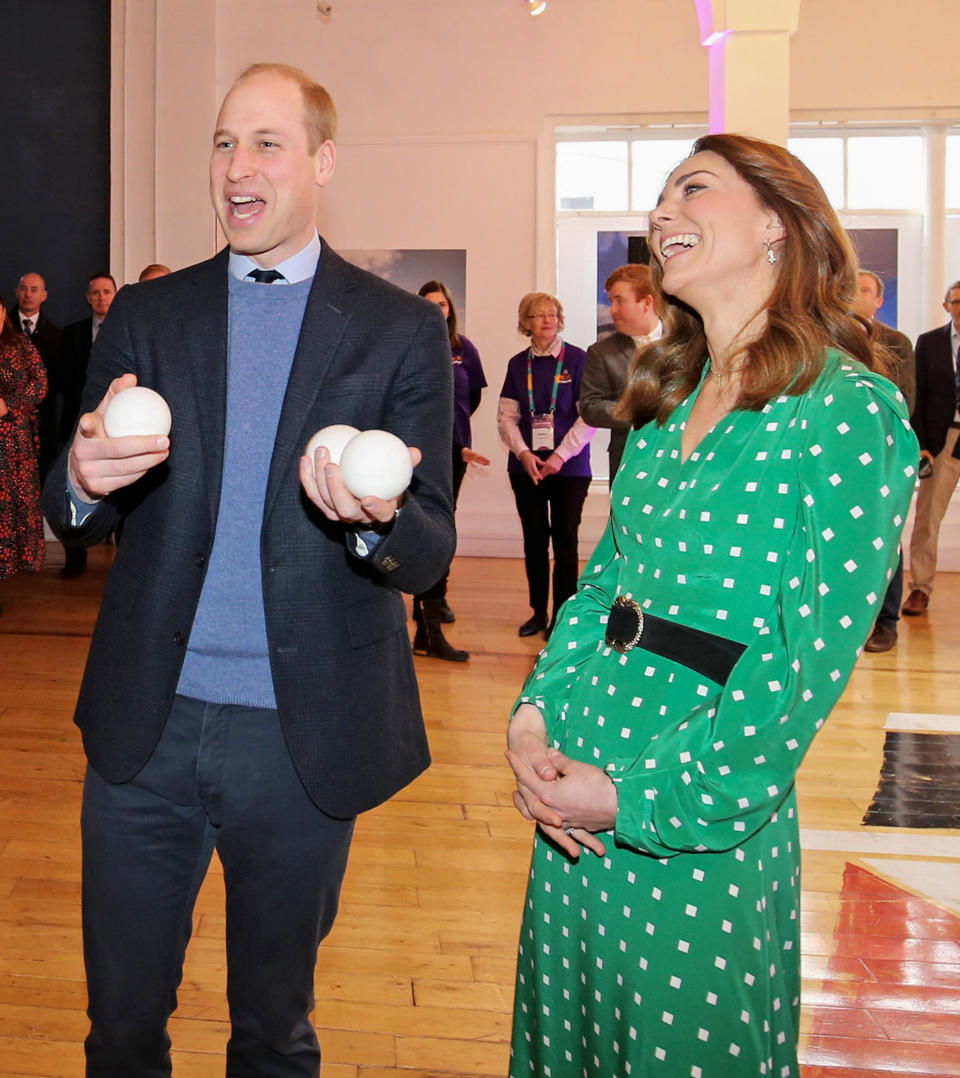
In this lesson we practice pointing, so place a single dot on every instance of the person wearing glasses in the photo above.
(549, 463)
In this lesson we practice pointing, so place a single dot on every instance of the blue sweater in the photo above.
(228, 658)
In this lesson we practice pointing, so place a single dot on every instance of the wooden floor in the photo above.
(416, 978)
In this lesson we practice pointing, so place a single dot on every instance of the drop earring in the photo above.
(771, 253)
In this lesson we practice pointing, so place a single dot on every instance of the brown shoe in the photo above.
(882, 638)
(916, 603)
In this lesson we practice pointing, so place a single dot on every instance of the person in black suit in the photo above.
(28, 316)
(936, 422)
(75, 346)
(250, 686)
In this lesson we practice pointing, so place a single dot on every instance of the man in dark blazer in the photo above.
(635, 317)
(901, 370)
(75, 346)
(250, 686)
(936, 422)
(27, 315)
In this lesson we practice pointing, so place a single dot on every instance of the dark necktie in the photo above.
(28, 326)
(262, 276)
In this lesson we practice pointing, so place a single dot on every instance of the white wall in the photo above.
(446, 109)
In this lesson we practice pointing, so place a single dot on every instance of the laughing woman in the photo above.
(754, 526)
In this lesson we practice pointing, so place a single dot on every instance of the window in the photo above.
(592, 176)
(824, 158)
(652, 161)
(885, 172)
(858, 170)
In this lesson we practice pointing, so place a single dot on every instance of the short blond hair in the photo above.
(319, 111)
(529, 301)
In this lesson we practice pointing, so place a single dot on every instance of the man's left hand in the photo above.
(324, 486)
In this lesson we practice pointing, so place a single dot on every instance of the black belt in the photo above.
(629, 627)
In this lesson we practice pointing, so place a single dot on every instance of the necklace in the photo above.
(723, 377)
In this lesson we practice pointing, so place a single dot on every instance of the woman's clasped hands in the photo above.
(568, 799)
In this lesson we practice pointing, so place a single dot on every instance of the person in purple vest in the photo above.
(430, 609)
(549, 464)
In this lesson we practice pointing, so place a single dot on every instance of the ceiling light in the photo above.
(536, 7)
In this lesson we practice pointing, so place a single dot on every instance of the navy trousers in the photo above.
(220, 778)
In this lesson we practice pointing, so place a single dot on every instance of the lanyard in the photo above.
(556, 380)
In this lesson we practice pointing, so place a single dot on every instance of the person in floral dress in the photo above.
(754, 526)
(23, 384)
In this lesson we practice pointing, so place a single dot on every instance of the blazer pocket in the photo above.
(368, 623)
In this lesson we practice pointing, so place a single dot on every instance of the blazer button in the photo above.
(200, 559)
(179, 639)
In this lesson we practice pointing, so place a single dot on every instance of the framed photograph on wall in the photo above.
(878, 250)
(410, 269)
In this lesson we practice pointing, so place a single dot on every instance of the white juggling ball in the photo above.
(376, 463)
(136, 410)
(333, 438)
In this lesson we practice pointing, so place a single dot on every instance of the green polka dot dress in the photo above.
(677, 954)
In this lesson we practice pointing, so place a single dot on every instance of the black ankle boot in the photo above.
(420, 640)
(447, 616)
(434, 644)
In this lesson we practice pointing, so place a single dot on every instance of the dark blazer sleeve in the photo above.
(80, 397)
(900, 360)
(419, 546)
(936, 389)
(604, 374)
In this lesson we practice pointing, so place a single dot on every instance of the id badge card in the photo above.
(543, 432)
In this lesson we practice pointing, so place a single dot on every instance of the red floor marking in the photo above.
(889, 999)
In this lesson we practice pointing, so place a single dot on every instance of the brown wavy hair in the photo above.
(808, 311)
(439, 286)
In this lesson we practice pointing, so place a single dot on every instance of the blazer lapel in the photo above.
(205, 355)
(324, 321)
(626, 345)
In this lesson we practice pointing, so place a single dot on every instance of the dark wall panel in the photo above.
(55, 134)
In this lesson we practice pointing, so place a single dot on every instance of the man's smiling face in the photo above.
(264, 181)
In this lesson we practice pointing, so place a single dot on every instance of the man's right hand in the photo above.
(99, 465)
